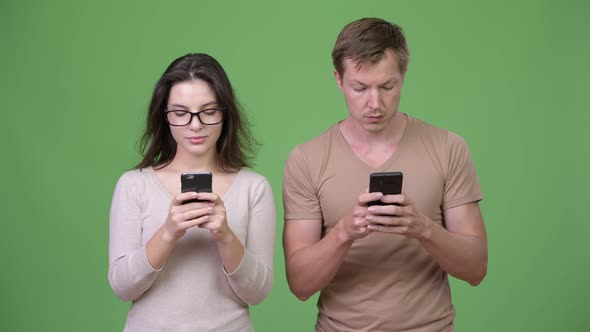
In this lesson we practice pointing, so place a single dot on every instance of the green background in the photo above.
(509, 76)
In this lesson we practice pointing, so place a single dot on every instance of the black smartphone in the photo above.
(388, 183)
(199, 182)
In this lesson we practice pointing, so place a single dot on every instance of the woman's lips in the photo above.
(196, 139)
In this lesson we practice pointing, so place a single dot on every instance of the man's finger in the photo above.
(370, 197)
(388, 229)
(385, 220)
(401, 199)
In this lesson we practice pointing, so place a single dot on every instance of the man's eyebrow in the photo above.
(391, 81)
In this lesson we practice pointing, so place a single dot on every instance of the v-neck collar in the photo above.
(163, 189)
(387, 163)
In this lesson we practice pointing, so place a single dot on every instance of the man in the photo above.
(381, 268)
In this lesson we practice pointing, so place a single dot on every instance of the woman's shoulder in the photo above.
(253, 185)
(135, 177)
(250, 177)
(253, 182)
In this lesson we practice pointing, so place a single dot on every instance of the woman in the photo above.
(194, 266)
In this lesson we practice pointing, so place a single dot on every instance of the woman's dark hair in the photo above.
(235, 146)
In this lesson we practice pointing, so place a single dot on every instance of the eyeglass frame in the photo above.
(197, 114)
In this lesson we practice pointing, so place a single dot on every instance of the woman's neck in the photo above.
(184, 162)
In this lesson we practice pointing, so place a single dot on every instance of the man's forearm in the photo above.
(311, 268)
(462, 256)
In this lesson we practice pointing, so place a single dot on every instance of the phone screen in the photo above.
(388, 183)
(199, 182)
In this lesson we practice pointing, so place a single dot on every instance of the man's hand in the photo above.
(403, 218)
(353, 225)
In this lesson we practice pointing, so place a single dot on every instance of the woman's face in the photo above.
(194, 138)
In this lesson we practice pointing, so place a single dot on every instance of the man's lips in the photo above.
(374, 118)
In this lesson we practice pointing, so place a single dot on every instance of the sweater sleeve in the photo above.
(130, 273)
(253, 279)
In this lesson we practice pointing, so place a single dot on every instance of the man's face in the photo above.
(372, 91)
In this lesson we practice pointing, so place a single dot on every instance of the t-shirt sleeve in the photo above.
(461, 183)
(253, 279)
(300, 199)
(130, 273)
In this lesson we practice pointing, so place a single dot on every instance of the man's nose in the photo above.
(373, 101)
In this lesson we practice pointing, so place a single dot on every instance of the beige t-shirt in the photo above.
(387, 282)
(192, 291)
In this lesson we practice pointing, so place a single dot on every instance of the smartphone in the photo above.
(388, 183)
(199, 182)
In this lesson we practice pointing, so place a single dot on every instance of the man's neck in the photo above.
(391, 134)
(374, 148)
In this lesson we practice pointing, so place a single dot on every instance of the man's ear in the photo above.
(338, 79)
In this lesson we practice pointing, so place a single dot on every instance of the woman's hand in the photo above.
(217, 218)
(184, 216)
(230, 248)
(180, 218)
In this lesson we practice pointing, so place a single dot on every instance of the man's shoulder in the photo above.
(425, 128)
(320, 140)
(432, 133)
(315, 144)
(307, 157)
